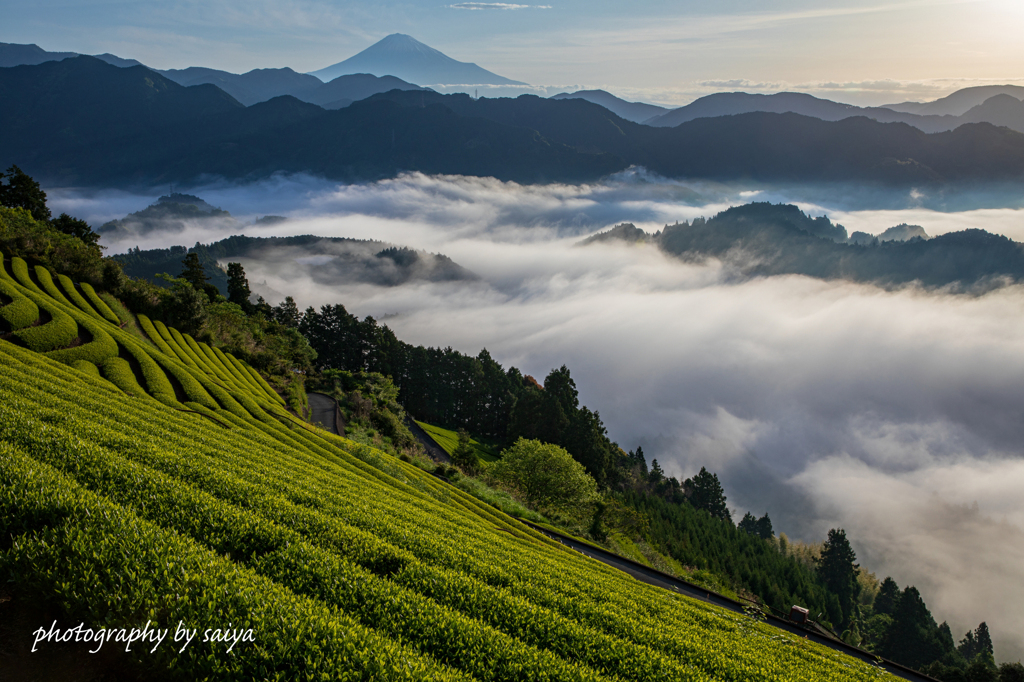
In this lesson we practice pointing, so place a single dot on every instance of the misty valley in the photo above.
(408, 382)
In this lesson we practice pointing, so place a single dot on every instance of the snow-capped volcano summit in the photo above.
(407, 58)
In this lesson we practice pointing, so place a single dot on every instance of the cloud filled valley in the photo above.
(894, 414)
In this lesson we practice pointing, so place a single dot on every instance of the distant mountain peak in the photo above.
(404, 57)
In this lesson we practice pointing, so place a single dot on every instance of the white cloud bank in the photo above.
(896, 415)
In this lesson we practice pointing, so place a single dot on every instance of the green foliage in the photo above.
(547, 477)
(75, 227)
(238, 287)
(838, 572)
(370, 408)
(23, 236)
(101, 307)
(913, 638)
(761, 527)
(19, 311)
(449, 441)
(19, 190)
(705, 492)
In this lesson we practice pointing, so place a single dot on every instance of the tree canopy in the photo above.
(546, 476)
(837, 570)
(19, 190)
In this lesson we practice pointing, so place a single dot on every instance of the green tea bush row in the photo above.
(46, 281)
(282, 555)
(193, 389)
(74, 297)
(101, 348)
(101, 307)
(105, 565)
(21, 311)
(59, 332)
(117, 371)
(173, 344)
(154, 336)
(86, 367)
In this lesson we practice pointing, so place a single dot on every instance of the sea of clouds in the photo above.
(897, 415)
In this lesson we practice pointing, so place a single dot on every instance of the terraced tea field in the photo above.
(448, 440)
(162, 480)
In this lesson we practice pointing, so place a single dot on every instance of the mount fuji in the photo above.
(407, 58)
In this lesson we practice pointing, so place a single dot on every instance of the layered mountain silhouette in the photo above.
(407, 58)
(758, 146)
(261, 85)
(82, 121)
(758, 240)
(14, 54)
(637, 112)
(1000, 109)
(959, 102)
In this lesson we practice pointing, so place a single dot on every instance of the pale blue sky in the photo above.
(860, 51)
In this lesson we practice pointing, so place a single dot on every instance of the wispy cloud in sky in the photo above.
(494, 5)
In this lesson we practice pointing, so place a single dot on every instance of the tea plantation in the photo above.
(159, 479)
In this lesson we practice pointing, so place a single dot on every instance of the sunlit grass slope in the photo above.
(449, 440)
(164, 481)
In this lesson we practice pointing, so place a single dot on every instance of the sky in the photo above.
(892, 414)
(864, 52)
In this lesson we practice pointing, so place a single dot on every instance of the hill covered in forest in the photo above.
(761, 239)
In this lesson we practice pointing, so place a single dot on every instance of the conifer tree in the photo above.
(238, 286)
(705, 492)
(192, 271)
(838, 572)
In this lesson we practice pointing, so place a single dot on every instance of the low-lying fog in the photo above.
(896, 415)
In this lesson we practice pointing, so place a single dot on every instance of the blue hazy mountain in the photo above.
(405, 57)
(1001, 110)
(249, 88)
(261, 85)
(637, 112)
(13, 54)
(960, 102)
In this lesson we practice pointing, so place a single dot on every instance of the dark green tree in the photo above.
(748, 524)
(761, 527)
(19, 190)
(76, 228)
(639, 459)
(656, 474)
(238, 287)
(463, 455)
(764, 528)
(888, 597)
(1011, 672)
(705, 492)
(288, 313)
(977, 643)
(837, 570)
(192, 271)
(913, 637)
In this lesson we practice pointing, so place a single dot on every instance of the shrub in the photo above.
(546, 476)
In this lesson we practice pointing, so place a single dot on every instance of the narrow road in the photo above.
(325, 411)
